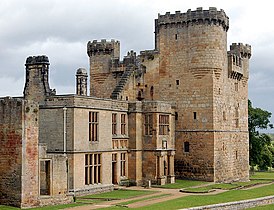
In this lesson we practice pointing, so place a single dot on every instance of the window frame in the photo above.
(163, 124)
(93, 126)
(93, 173)
(123, 124)
(114, 123)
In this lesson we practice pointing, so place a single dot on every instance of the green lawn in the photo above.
(226, 186)
(44, 208)
(143, 199)
(182, 184)
(263, 175)
(119, 194)
(201, 200)
(7, 207)
(116, 194)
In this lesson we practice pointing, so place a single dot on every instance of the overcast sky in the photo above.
(61, 29)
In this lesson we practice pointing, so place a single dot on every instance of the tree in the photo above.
(260, 147)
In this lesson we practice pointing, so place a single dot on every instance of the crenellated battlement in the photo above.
(103, 47)
(199, 16)
(240, 49)
(34, 60)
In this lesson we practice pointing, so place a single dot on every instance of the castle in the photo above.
(179, 110)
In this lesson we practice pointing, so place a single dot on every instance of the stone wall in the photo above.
(18, 153)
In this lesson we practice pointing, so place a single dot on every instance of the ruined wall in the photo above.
(19, 153)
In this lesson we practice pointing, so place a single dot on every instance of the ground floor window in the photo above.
(123, 164)
(92, 169)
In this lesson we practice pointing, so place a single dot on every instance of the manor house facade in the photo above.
(179, 110)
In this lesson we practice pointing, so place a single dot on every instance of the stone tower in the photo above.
(81, 82)
(210, 103)
(37, 73)
(102, 56)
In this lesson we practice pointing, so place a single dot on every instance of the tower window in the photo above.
(224, 116)
(176, 36)
(186, 146)
(176, 115)
(236, 86)
(195, 115)
(177, 82)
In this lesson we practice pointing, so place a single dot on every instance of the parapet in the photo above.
(240, 49)
(34, 60)
(199, 16)
(103, 47)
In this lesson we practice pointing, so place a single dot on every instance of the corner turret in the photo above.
(238, 60)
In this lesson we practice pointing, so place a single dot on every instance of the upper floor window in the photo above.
(195, 115)
(186, 146)
(163, 124)
(123, 124)
(148, 124)
(93, 126)
(114, 124)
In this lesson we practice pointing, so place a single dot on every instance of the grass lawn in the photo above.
(143, 199)
(182, 184)
(7, 207)
(263, 175)
(44, 208)
(201, 200)
(228, 186)
(118, 194)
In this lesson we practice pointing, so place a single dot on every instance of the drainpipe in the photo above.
(65, 129)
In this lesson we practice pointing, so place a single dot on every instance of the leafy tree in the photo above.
(260, 147)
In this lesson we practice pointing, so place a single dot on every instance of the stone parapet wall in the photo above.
(70, 101)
